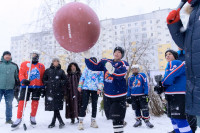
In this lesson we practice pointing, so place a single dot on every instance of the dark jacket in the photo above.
(73, 97)
(8, 74)
(189, 40)
(54, 80)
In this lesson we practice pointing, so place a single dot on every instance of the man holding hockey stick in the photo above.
(30, 75)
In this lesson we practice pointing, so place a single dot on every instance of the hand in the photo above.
(110, 68)
(98, 92)
(86, 54)
(174, 16)
(129, 100)
(26, 82)
(79, 89)
(158, 89)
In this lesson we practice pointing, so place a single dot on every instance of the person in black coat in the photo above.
(54, 80)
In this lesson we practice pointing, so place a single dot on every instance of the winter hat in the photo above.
(119, 49)
(175, 54)
(94, 59)
(55, 59)
(136, 66)
(6, 52)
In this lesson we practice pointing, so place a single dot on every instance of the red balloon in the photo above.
(76, 27)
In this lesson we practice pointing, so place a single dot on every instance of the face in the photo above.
(117, 55)
(34, 55)
(7, 57)
(135, 70)
(169, 57)
(55, 63)
(73, 68)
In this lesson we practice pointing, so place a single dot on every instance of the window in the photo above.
(129, 25)
(129, 31)
(144, 35)
(167, 34)
(143, 29)
(135, 24)
(151, 34)
(150, 21)
(121, 32)
(115, 27)
(115, 33)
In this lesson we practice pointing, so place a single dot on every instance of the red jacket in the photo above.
(36, 74)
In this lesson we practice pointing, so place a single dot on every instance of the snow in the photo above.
(43, 118)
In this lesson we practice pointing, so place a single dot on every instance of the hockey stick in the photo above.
(24, 125)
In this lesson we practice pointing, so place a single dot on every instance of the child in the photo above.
(138, 92)
(174, 82)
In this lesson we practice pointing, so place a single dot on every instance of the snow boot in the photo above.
(138, 123)
(94, 123)
(32, 121)
(52, 125)
(62, 124)
(172, 132)
(72, 120)
(148, 124)
(16, 123)
(80, 126)
(9, 122)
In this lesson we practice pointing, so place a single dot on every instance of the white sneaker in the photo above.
(33, 121)
(16, 123)
(94, 124)
(80, 126)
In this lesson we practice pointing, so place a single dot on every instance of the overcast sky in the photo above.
(16, 14)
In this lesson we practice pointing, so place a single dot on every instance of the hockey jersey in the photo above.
(114, 84)
(175, 79)
(36, 74)
(138, 85)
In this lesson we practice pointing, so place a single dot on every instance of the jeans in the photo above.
(8, 95)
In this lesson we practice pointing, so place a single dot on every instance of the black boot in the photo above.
(72, 120)
(62, 124)
(53, 121)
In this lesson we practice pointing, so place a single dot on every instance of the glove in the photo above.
(129, 100)
(86, 54)
(147, 98)
(26, 82)
(173, 17)
(110, 68)
(159, 89)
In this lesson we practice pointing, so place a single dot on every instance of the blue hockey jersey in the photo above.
(114, 84)
(138, 85)
(175, 78)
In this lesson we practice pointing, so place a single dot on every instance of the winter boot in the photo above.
(148, 123)
(72, 120)
(52, 125)
(138, 123)
(94, 123)
(9, 122)
(32, 120)
(16, 123)
(80, 125)
(61, 125)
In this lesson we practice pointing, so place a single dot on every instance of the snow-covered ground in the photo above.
(43, 118)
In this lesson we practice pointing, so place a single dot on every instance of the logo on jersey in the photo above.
(35, 74)
(136, 83)
(108, 77)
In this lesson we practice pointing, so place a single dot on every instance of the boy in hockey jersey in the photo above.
(174, 82)
(34, 84)
(114, 85)
(138, 92)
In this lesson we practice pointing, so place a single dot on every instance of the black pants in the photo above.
(58, 116)
(85, 99)
(116, 110)
(176, 106)
(36, 92)
(140, 104)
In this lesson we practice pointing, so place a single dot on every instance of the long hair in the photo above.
(76, 65)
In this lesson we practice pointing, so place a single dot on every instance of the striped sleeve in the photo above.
(95, 66)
